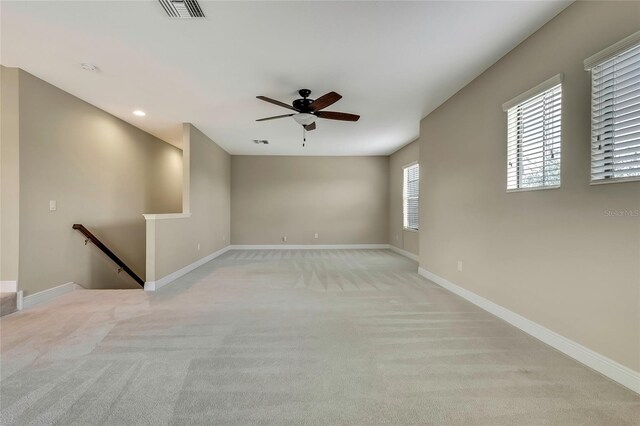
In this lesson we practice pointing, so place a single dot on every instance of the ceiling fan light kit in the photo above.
(309, 110)
(304, 118)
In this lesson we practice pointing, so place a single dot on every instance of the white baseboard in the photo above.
(308, 246)
(403, 252)
(19, 301)
(47, 295)
(8, 286)
(155, 285)
(610, 368)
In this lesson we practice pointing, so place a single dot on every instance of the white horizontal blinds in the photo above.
(615, 117)
(533, 136)
(411, 189)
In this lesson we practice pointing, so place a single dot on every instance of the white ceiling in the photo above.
(393, 63)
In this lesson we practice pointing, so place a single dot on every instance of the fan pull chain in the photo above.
(304, 136)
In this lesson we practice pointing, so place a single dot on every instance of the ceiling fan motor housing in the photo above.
(303, 105)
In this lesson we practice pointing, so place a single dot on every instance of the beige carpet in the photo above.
(8, 303)
(333, 337)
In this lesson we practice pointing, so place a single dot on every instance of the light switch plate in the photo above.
(53, 205)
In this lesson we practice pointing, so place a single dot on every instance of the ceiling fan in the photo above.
(308, 110)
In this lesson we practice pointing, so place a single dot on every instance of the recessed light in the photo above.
(139, 113)
(88, 67)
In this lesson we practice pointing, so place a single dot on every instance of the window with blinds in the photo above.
(615, 116)
(533, 137)
(410, 190)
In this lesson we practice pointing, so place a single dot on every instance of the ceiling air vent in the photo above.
(182, 8)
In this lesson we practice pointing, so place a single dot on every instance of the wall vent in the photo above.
(182, 8)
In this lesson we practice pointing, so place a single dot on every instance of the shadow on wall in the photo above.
(105, 273)
(163, 186)
(126, 240)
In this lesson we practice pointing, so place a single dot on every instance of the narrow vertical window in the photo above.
(534, 124)
(410, 191)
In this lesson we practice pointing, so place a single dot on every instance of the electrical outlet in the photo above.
(198, 246)
(224, 237)
(460, 265)
(316, 236)
(53, 205)
(284, 239)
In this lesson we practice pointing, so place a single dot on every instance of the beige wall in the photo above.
(172, 243)
(100, 171)
(398, 236)
(552, 256)
(9, 173)
(343, 199)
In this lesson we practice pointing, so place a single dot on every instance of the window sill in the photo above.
(537, 188)
(615, 180)
(410, 230)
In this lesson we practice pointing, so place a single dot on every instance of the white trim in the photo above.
(615, 180)
(403, 252)
(48, 294)
(610, 368)
(533, 188)
(545, 85)
(163, 216)
(8, 286)
(308, 246)
(19, 301)
(155, 285)
(611, 51)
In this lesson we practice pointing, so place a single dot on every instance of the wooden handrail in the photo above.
(105, 250)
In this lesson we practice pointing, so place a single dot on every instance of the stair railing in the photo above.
(121, 265)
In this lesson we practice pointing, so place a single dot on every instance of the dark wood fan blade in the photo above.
(333, 115)
(310, 127)
(274, 117)
(273, 101)
(324, 101)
